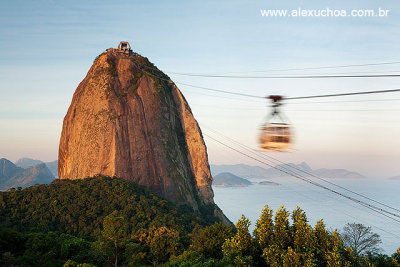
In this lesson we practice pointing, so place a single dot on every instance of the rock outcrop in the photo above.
(128, 119)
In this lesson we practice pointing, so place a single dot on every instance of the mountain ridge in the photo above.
(249, 171)
(30, 162)
(14, 176)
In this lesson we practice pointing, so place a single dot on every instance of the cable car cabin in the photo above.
(275, 136)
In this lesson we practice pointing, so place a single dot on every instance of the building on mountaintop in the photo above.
(123, 48)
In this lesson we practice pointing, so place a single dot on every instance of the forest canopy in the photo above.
(105, 221)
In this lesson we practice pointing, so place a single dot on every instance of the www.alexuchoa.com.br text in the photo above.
(327, 12)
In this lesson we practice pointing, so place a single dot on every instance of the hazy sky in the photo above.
(47, 47)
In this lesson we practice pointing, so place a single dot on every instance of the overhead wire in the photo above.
(226, 97)
(315, 96)
(345, 94)
(292, 76)
(289, 98)
(293, 98)
(308, 196)
(383, 230)
(252, 151)
(345, 110)
(345, 101)
(220, 90)
(199, 87)
(259, 108)
(319, 192)
(369, 206)
(298, 169)
(305, 68)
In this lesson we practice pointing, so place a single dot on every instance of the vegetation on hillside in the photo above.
(106, 221)
(79, 207)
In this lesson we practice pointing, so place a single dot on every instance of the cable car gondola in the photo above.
(276, 133)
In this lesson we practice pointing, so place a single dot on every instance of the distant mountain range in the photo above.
(26, 172)
(227, 179)
(13, 176)
(395, 177)
(247, 171)
(28, 162)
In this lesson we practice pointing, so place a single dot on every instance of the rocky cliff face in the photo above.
(128, 119)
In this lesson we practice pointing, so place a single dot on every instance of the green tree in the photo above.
(135, 254)
(239, 247)
(210, 239)
(114, 231)
(282, 237)
(303, 237)
(333, 256)
(273, 255)
(163, 242)
(322, 242)
(276, 251)
(291, 258)
(264, 230)
(396, 257)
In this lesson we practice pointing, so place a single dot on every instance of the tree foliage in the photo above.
(209, 240)
(238, 249)
(114, 231)
(79, 207)
(95, 220)
(109, 221)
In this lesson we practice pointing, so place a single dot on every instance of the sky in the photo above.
(47, 47)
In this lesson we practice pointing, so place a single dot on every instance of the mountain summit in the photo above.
(128, 119)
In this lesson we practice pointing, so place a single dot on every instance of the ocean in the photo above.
(318, 204)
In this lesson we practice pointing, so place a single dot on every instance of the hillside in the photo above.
(13, 176)
(227, 179)
(46, 225)
(79, 207)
